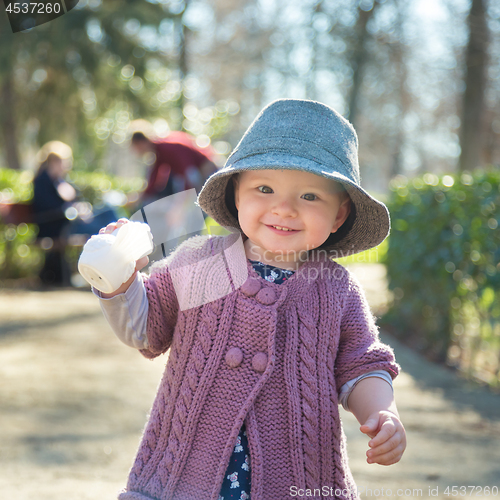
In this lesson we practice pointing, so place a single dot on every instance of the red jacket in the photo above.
(177, 156)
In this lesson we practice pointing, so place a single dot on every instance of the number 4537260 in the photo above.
(474, 491)
(33, 8)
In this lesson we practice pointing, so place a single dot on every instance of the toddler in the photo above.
(248, 405)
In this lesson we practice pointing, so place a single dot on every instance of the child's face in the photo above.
(270, 201)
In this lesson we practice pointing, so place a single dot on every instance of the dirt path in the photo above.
(74, 402)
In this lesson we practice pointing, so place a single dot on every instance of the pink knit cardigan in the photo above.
(272, 356)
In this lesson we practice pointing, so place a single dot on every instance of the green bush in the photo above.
(15, 186)
(19, 257)
(443, 268)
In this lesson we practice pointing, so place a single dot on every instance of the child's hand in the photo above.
(138, 265)
(388, 438)
(113, 225)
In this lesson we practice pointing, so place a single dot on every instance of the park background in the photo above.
(419, 79)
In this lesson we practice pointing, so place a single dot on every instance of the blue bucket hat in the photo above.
(311, 137)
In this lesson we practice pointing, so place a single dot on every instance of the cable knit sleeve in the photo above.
(360, 350)
(162, 311)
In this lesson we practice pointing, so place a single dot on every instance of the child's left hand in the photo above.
(388, 435)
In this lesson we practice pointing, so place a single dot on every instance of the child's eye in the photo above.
(265, 189)
(309, 197)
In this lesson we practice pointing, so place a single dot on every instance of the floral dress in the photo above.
(237, 481)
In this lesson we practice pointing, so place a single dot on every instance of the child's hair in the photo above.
(138, 137)
(332, 239)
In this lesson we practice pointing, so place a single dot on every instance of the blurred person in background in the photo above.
(52, 196)
(59, 211)
(180, 164)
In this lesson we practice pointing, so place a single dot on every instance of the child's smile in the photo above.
(285, 213)
(285, 230)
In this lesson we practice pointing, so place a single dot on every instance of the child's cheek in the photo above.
(244, 222)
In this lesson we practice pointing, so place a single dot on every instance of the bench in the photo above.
(16, 213)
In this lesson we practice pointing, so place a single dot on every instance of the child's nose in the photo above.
(285, 208)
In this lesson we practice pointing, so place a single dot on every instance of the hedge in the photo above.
(443, 269)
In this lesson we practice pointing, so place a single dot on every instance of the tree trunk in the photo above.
(8, 122)
(183, 61)
(359, 59)
(399, 59)
(471, 133)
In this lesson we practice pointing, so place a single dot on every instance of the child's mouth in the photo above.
(282, 230)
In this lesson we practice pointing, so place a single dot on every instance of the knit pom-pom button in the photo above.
(259, 362)
(266, 296)
(234, 357)
(251, 287)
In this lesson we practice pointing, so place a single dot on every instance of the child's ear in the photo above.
(342, 214)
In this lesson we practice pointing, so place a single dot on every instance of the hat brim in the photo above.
(371, 224)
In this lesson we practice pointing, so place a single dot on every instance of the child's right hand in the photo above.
(138, 265)
(388, 435)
